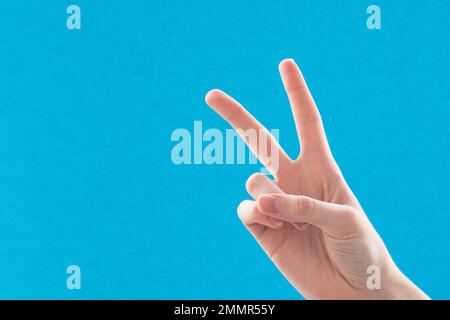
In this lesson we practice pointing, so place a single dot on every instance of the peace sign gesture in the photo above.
(307, 220)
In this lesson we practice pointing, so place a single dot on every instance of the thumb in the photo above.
(330, 217)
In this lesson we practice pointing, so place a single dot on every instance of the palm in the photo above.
(316, 264)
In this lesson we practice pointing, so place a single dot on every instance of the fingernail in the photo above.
(277, 223)
(270, 204)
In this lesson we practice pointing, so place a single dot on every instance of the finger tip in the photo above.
(213, 95)
(286, 63)
(243, 205)
(254, 180)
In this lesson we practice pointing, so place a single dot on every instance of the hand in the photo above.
(307, 220)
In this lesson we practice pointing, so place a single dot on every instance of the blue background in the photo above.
(86, 117)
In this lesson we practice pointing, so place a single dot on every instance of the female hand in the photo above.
(307, 220)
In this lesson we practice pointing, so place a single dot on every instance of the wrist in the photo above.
(396, 286)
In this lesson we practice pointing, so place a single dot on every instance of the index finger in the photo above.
(265, 146)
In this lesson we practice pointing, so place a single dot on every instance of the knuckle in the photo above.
(297, 88)
(236, 116)
(352, 216)
(311, 119)
(304, 205)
